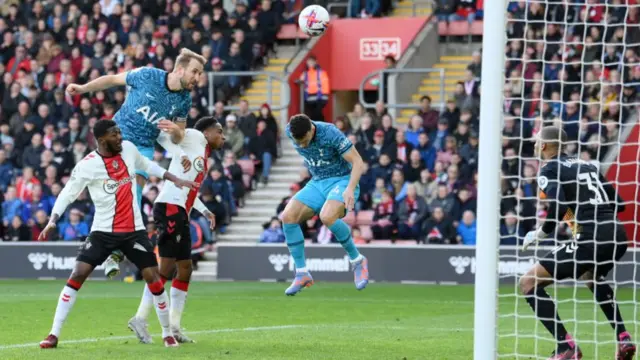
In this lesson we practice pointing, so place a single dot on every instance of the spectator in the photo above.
(372, 153)
(429, 116)
(6, 171)
(427, 152)
(388, 129)
(414, 167)
(262, 150)
(438, 229)
(383, 168)
(234, 138)
(414, 130)
(451, 113)
(467, 229)
(464, 202)
(510, 232)
(233, 173)
(444, 9)
(399, 185)
(356, 234)
(355, 117)
(316, 89)
(401, 149)
(384, 218)
(378, 191)
(36, 203)
(74, 229)
(366, 132)
(26, 183)
(272, 232)
(294, 188)
(11, 206)
(32, 154)
(444, 199)
(267, 116)
(412, 211)
(215, 203)
(17, 231)
(41, 221)
(246, 121)
(426, 187)
(220, 199)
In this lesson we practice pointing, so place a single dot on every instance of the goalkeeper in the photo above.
(576, 193)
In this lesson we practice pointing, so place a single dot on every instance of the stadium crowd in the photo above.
(579, 69)
(46, 45)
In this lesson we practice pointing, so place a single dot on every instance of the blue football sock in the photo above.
(342, 232)
(295, 243)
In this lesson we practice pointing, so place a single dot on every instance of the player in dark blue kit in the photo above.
(335, 167)
(156, 101)
(577, 193)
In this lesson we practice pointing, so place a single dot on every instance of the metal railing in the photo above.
(382, 87)
(285, 91)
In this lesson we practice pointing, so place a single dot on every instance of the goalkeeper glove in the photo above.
(533, 237)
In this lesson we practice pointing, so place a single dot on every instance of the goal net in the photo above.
(573, 64)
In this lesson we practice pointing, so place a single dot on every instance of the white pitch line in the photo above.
(246, 329)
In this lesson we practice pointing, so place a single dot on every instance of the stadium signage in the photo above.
(375, 49)
(40, 260)
(435, 264)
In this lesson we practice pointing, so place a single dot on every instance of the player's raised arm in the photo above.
(76, 184)
(101, 83)
(156, 170)
(167, 143)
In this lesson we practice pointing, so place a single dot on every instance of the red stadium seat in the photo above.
(291, 32)
(459, 28)
(366, 232)
(364, 217)
(247, 166)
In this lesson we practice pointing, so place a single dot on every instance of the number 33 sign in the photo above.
(376, 49)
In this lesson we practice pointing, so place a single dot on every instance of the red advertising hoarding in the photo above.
(626, 174)
(353, 48)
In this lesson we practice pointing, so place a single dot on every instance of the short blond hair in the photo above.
(185, 57)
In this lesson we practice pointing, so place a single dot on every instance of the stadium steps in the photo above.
(454, 65)
(406, 8)
(258, 93)
(261, 204)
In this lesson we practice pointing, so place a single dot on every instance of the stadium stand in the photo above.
(445, 170)
(47, 45)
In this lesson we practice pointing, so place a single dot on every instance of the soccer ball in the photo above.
(314, 20)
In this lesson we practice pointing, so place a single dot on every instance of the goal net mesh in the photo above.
(574, 64)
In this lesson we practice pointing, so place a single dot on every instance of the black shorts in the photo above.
(136, 246)
(174, 231)
(595, 251)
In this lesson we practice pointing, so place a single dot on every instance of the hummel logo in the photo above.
(150, 96)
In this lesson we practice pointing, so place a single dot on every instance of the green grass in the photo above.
(256, 321)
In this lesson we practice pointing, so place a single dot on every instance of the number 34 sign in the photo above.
(376, 49)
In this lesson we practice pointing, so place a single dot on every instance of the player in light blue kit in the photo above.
(335, 167)
(156, 100)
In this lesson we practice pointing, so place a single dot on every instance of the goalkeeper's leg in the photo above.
(532, 285)
(605, 297)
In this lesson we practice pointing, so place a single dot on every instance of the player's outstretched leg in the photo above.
(330, 217)
(179, 288)
(295, 213)
(65, 302)
(605, 297)
(139, 323)
(532, 285)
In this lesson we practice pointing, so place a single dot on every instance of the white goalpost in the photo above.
(576, 66)
(486, 283)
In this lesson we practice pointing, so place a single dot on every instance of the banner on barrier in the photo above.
(42, 260)
(445, 264)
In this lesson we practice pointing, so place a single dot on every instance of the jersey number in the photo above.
(599, 195)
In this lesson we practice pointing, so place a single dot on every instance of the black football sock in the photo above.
(606, 299)
(545, 309)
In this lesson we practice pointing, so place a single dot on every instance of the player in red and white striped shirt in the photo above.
(171, 216)
(109, 173)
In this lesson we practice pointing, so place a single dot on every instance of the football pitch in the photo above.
(256, 321)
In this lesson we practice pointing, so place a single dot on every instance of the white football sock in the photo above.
(178, 299)
(161, 303)
(65, 303)
(146, 303)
